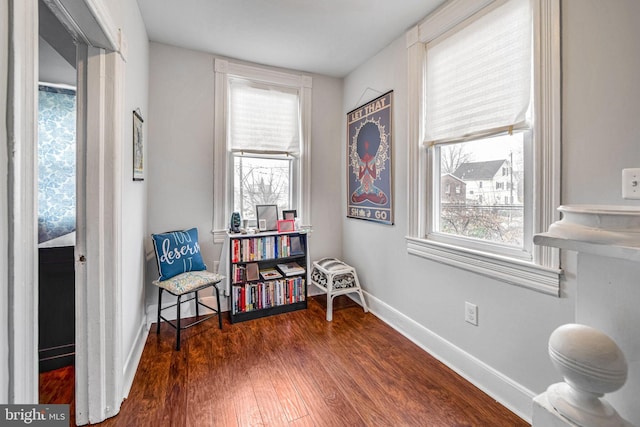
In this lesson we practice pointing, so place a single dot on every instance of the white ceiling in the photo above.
(329, 37)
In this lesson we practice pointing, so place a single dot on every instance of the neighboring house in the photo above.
(453, 190)
(489, 183)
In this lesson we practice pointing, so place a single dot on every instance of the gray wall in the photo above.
(600, 137)
(180, 161)
(134, 194)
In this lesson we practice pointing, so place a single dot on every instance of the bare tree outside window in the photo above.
(260, 181)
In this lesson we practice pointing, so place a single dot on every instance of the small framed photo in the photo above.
(296, 245)
(138, 147)
(285, 225)
(289, 214)
(252, 272)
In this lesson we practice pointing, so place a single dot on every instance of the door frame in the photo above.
(99, 366)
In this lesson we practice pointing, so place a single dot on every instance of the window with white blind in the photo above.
(262, 132)
(264, 143)
(486, 114)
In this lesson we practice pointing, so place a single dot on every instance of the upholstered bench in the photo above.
(336, 278)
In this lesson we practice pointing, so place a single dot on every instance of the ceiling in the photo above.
(329, 37)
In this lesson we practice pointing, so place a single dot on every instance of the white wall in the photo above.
(426, 299)
(134, 194)
(180, 161)
(601, 125)
(601, 136)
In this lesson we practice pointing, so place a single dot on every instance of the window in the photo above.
(264, 143)
(262, 133)
(465, 111)
(486, 111)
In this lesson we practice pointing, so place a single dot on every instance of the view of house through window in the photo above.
(482, 189)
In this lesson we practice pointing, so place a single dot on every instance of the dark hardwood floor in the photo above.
(296, 369)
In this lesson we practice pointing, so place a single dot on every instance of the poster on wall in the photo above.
(369, 186)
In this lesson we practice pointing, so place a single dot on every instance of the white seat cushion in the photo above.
(189, 281)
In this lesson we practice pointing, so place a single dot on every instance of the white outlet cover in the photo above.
(471, 313)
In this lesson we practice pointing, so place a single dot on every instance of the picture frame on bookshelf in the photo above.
(289, 214)
(268, 213)
(295, 244)
(253, 272)
(285, 225)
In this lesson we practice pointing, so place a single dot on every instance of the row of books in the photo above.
(267, 247)
(250, 272)
(261, 295)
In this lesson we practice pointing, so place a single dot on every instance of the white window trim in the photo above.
(222, 175)
(543, 273)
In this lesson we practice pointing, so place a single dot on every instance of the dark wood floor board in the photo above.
(355, 372)
(277, 380)
(295, 369)
(202, 385)
(350, 353)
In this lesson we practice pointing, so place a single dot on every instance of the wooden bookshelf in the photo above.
(263, 274)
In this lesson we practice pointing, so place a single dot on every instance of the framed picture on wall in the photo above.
(138, 147)
(369, 151)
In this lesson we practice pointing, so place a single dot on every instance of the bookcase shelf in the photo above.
(268, 274)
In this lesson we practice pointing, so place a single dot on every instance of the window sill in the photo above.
(520, 273)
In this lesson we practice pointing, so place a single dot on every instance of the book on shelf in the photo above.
(270, 273)
(290, 269)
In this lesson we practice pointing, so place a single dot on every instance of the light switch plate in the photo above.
(631, 183)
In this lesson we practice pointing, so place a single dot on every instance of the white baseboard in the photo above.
(503, 389)
(133, 359)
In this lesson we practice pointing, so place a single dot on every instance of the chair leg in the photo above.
(197, 306)
(178, 324)
(330, 297)
(159, 308)
(218, 306)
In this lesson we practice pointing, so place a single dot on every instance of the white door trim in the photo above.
(22, 283)
(99, 367)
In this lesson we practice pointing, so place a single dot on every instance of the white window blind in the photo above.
(263, 119)
(479, 76)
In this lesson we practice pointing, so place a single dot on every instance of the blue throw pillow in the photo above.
(177, 252)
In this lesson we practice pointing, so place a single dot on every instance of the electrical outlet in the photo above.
(471, 313)
(631, 184)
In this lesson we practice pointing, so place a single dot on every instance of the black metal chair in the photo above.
(183, 274)
(185, 284)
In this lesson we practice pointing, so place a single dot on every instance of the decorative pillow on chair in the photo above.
(177, 252)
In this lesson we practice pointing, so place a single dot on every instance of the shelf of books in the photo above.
(268, 274)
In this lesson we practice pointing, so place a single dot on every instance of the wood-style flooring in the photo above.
(295, 369)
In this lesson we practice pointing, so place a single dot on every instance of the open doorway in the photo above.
(56, 152)
(98, 360)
